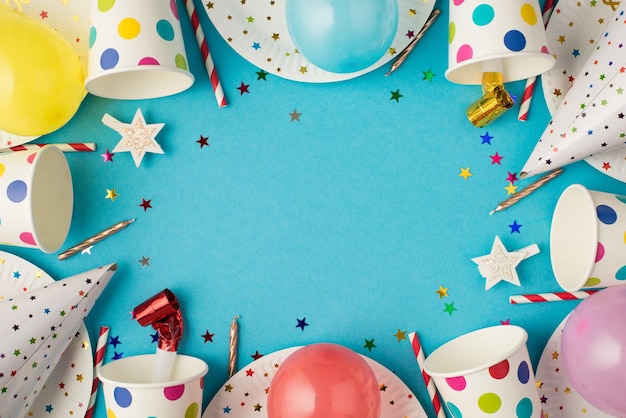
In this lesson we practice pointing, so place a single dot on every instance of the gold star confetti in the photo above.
(138, 137)
(275, 36)
(79, 377)
(303, 70)
(442, 292)
(510, 189)
(111, 194)
(400, 335)
(555, 355)
(465, 173)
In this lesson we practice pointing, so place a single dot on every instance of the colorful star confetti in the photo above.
(295, 116)
(465, 173)
(203, 141)
(395, 95)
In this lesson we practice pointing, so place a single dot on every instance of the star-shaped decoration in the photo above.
(442, 292)
(510, 189)
(465, 173)
(395, 95)
(111, 194)
(486, 138)
(301, 323)
(145, 204)
(499, 265)
(145, 261)
(515, 227)
(203, 141)
(138, 137)
(114, 341)
(449, 308)
(207, 336)
(256, 355)
(261, 75)
(428, 75)
(295, 116)
(495, 159)
(243, 88)
(512, 177)
(107, 156)
(87, 250)
(369, 344)
(400, 335)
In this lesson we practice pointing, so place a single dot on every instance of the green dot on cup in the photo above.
(489, 403)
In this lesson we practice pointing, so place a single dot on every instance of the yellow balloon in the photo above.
(41, 78)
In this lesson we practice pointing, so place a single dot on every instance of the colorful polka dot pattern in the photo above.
(14, 190)
(496, 20)
(610, 212)
(182, 400)
(133, 35)
(490, 401)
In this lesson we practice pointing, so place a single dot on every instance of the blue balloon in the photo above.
(342, 36)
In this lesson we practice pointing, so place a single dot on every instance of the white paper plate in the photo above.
(559, 399)
(249, 28)
(575, 25)
(71, 19)
(67, 391)
(239, 395)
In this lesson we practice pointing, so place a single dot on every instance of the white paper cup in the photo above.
(136, 50)
(509, 32)
(486, 373)
(588, 239)
(129, 392)
(36, 198)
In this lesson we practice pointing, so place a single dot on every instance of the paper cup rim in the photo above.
(470, 71)
(106, 83)
(151, 385)
(517, 337)
(584, 208)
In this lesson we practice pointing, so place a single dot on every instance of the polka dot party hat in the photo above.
(136, 50)
(486, 373)
(590, 119)
(499, 36)
(36, 328)
(587, 239)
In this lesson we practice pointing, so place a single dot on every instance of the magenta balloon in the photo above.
(594, 350)
(324, 381)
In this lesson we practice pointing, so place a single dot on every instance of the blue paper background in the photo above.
(351, 217)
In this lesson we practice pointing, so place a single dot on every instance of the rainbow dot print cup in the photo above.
(486, 373)
(136, 50)
(130, 393)
(36, 198)
(588, 239)
(509, 33)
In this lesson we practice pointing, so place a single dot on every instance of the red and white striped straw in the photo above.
(524, 107)
(98, 361)
(206, 53)
(430, 385)
(69, 147)
(551, 296)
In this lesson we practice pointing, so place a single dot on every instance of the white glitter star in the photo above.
(138, 137)
(500, 264)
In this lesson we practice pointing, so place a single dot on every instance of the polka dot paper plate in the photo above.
(67, 391)
(559, 399)
(257, 30)
(244, 395)
(71, 19)
(572, 31)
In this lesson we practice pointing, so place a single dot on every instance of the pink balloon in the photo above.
(594, 350)
(324, 381)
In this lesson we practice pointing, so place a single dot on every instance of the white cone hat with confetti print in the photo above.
(591, 119)
(36, 328)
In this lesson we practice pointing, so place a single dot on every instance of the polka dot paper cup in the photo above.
(36, 199)
(129, 392)
(486, 373)
(588, 239)
(494, 35)
(136, 50)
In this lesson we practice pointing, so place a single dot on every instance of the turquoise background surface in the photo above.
(349, 218)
